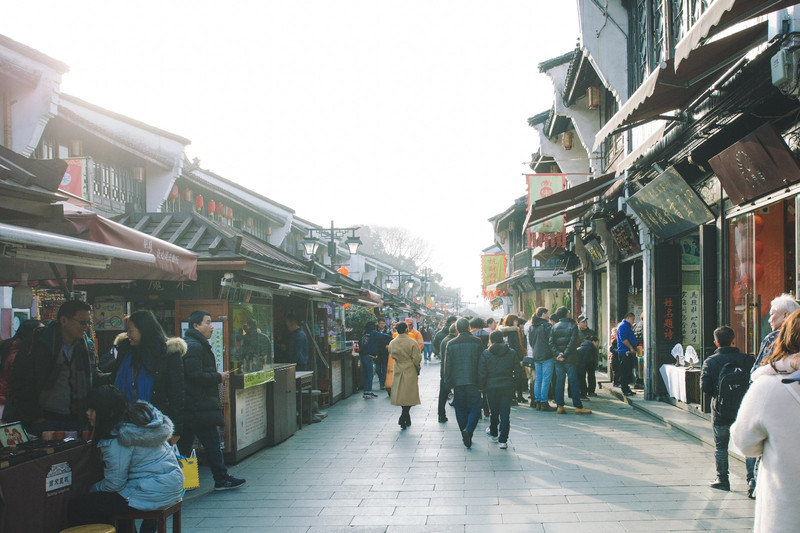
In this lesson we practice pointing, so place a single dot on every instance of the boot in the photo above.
(561, 410)
(720, 483)
(545, 406)
(582, 411)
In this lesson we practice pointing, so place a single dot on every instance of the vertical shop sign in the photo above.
(74, 177)
(668, 297)
(493, 270)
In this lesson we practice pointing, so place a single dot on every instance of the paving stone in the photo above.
(616, 471)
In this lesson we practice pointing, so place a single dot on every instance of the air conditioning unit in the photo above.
(785, 65)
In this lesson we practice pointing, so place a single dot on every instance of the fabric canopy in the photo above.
(722, 14)
(669, 88)
(560, 202)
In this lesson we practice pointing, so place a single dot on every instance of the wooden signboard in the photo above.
(669, 206)
(756, 165)
(627, 240)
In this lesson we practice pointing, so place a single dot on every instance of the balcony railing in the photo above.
(521, 260)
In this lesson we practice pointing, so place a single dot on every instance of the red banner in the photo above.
(74, 177)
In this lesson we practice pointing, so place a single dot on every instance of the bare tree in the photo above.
(395, 245)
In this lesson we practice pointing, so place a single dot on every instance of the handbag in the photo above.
(191, 472)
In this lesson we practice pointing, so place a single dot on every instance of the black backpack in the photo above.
(734, 380)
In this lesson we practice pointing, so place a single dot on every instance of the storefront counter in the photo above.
(682, 383)
(34, 495)
(248, 413)
(281, 404)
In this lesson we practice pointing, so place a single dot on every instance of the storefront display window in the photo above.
(253, 338)
(760, 267)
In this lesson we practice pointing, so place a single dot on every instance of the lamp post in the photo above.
(409, 280)
(313, 240)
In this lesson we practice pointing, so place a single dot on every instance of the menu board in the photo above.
(669, 206)
(251, 416)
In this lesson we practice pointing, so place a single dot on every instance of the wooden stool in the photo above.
(90, 528)
(159, 515)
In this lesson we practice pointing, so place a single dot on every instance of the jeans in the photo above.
(427, 349)
(467, 404)
(752, 464)
(366, 371)
(567, 371)
(209, 438)
(500, 407)
(380, 369)
(541, 385)
(722, 435)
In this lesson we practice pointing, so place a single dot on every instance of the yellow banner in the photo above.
(493, 269)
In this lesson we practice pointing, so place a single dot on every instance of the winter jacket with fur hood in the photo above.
(168, 382)
(140, 465)
(768, 424)
(496, 368)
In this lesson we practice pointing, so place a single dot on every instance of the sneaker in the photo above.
(561, 410)
(720, 484)
(229, 483)
(751, 489)
(582, 411)
(503, 445)
(368, 396)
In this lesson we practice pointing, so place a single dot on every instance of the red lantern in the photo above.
(211, 205)
(173, 193)
(343, 271)
(220, 209)
(229, 214)
(198, 202)
(346, 305)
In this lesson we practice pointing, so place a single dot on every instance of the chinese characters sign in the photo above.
(669, 206)
(541, 186)
(493, 270)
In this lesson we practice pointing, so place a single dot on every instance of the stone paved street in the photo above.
(617, 470)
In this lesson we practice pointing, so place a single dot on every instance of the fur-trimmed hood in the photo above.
(154, 431)
(175, 345)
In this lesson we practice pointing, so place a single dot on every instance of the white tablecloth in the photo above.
(675, 379)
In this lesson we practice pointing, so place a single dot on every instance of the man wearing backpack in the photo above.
(726, 375)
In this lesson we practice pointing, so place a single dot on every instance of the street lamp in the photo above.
(314, 239)
(409, 280)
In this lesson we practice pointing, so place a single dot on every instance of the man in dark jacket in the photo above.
(203, 411)
(587, 357)
(444, 389)
(382, 359)
(539, 339)
(297, 347)
(441, 334)
(564, 344)
(709, 383)
(461, 374)
(496, 377)
(51, 385)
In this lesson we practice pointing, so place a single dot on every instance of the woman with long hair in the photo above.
(511, 331)
(149, 367)
(768, 424)
(140, 470)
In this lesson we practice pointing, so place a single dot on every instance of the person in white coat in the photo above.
(768, 424)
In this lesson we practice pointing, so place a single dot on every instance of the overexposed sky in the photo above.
(409, 114)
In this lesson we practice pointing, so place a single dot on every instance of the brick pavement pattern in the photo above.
(617, 470)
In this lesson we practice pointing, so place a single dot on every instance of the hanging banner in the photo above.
(74, 177)
(493, 269)
(550, 231)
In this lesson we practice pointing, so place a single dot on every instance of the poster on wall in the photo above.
(216, 341)
(18, 316)
(690, 305)
(251, 417)
(109, 315)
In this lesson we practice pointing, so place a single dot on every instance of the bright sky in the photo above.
(409, 114)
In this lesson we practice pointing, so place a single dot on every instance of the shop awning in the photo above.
(669, 88)
(722, 14)
(561, 202)
(504, 283)
(642, 149)
(32, 251)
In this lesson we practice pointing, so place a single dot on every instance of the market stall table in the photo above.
(34, 495)
(682, 383)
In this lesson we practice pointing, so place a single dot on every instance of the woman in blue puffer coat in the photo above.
(140, 470)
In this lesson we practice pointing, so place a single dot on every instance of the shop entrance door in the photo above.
(761, 266)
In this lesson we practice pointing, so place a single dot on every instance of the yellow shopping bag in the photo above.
(191, 473)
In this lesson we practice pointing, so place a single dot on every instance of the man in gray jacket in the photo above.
(461, 373)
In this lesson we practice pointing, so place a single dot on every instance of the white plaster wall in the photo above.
(575, 161)
(33, 108)
(603, 32)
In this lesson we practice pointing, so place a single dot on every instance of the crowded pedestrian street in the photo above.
(616, 470)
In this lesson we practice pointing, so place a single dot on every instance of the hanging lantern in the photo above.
(343, 271)
(187, 195)
(593, 97)
(566, 140)
(229, 214)
(198, 202)
(220, 210)
(249, 222)
(211, 207)
(173, 193)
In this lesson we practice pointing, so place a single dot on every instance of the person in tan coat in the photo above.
(407, 359)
